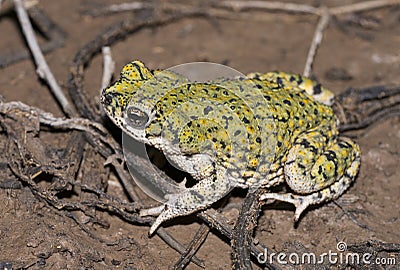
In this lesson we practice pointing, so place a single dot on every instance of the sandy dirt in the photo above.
(30, 230)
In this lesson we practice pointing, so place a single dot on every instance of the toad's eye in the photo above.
(136, 117)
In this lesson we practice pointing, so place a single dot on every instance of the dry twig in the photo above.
(366, 5)
(177, 246)
(28, 170)
(108, 67)
(55, 37)
(299, 8)
(268, 5)
(199, 238)
(322, 24)
(43, 69)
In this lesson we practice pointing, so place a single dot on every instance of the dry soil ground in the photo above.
(265, 41)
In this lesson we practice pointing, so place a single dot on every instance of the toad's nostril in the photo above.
(107, 99)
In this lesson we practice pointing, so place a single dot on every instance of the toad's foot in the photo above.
(301, 202)
(155, 211)
(198, 197)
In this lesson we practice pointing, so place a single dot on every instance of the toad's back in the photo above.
(245, 124)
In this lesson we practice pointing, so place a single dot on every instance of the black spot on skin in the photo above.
(225, 93)
(267, 97)
(292, 78)
(279, 144)
(302, 103)
(233, 107)
(317, 89)
(223, 144)
(279, 81)
(307, 145)
(108, 98)
(227, 117)
(197, 195)
(300, 80)
(315, 111)
(215, 96)
(232, 100)
(139, 70)
(207, 110)
(214, 139)
(319, 195)
(282, 119)
(344, 145)
(348, 175)
(251, 168)
(245, 120)
(330, 155)
(258, 140)
(237, 132)
(246, 177)
(258, 86)
(287, 102)
(320, 170)
(301, 166)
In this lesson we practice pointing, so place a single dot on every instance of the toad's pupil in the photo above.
(137, 118)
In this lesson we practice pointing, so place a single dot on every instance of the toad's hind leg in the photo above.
(200, 196)
(318, 175)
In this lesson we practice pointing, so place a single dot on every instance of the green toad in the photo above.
(251, 132)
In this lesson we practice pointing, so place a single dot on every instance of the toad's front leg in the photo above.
(200, 196)
(318, 174)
